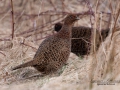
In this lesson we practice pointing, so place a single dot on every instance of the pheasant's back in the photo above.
(81, 40)
(52, 54)
(81, 32)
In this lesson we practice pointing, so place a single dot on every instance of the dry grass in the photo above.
(34, 20)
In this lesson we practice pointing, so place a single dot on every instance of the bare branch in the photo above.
(12, 19)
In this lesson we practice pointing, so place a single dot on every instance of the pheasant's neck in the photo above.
(65, 31)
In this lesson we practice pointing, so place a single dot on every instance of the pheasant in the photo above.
(81, 39)
(54, 51)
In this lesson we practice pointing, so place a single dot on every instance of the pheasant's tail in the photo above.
(30, 63)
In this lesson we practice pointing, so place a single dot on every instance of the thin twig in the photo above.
(90, 11)
(12, 19)
(2, 53)
(53, 5)
(28, 45)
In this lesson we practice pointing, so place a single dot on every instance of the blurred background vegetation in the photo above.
(34, 20)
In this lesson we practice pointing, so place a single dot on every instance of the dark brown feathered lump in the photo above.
(81, 39)
(54, 51)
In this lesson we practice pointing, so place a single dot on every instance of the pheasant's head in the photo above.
(70, 19)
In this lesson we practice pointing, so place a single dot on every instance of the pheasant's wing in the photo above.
(43, 48)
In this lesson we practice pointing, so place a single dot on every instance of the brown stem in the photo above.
(12, 19)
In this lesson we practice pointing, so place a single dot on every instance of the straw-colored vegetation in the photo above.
(34, 20)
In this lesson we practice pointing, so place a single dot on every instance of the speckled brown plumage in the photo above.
(81, 39)
(54, 51)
